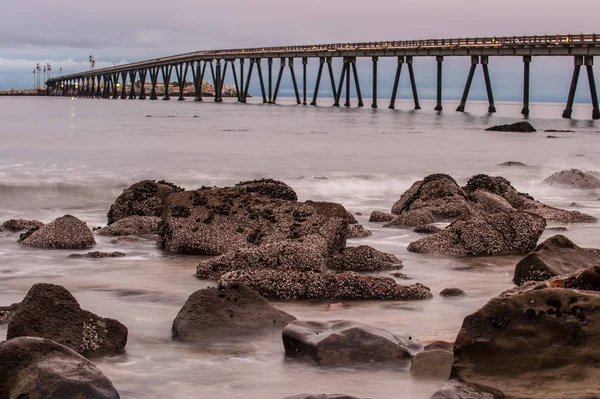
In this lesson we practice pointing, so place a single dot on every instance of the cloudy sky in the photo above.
(65, 32)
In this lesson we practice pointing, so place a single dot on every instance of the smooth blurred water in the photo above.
(59, 155)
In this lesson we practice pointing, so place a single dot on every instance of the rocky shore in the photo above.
(260, 244)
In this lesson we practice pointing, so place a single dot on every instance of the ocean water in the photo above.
(62, 155)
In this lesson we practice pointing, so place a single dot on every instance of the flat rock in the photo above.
(40, 368)
(50, 311)
(132, 226)
(225, 311)
(538, 344)
(519, 127)
(433, 363)
(291, 284)
(573, 178)
(587, 279)
(358, 231)
(380, 217)
(364, 258)
(218, 220)
(66, 232)
(21, 224)
(98, 254)
(554, 257)
(144, 198)
(486, 234)
(512, 163)
(440, 345)
(347, 343)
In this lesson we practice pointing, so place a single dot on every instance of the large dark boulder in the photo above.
(40, 368)
(518, 127)
(556, 256)
(21, 224)
(438, 194)
(573, 178)
(485, 234)
(50, 311)
(132, 226)
(381, 217)
(347, 343)
(364, 258)
(292, 284)
(543, 343)
(66, 232)
(144, 198)
(218, 220)
(284, 255)
(225, 311)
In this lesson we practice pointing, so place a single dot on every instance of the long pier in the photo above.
(113, 82)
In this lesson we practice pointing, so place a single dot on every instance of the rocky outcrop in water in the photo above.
(98, 255)
(573, 178)
(50, 311)
(548, 335)
(380, 217)
(358, 231)
(144, 198)
(519, 127)
(213, 221)
(226, 311)
(41, 368)
(66, 232)
(347, 343)
(364, 258)
(21, 224)
(291, 284)
(132, 226)
(557, 256)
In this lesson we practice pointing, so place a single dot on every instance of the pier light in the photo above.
(76, 84)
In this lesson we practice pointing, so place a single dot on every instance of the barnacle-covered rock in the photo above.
(364, 258)
(66, 232)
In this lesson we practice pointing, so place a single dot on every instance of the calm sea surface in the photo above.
(60, 155)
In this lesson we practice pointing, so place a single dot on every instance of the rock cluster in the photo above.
(21, 224)
(519, 127)
(347, 343)
(573, 178)
(226, 311)
(66, 232)
(50, 311)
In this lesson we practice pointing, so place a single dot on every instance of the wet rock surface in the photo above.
(452, 292)
(573, 178)
(290, 284)
(433, 363)
(427, 229)
(132, 226)
(40, 368)
(358, 231)
(98, 255)
(585, 279)
(21, 224)
(519, 127)
(225, 311)
(6, 312)
(215, 221)
(556, 256)
(380, 217)
(144, 198)
(417, 217)
(496, 234)
(66, 232)
(50, 311)
(454, 389)
(347, 343)
(513, 343)
(364, 258)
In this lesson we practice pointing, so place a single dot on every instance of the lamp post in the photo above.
(49, 68)
(44, 76)
(37, 67)
(33, 78)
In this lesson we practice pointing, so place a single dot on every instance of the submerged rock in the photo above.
(494, 234)
(50, 311)
(519, 127)
(98, 254)
(451, 292)
(132, 226)
(66, 232)
(226, 311)
(380, 217)
(291, 284)
(40, 368)
(219, 220)
(347, 343)
(21, 224)
(496, 347)
(512, 163)
(144, 198)
(358, 231)
(573, 178)
(364, 258)
(556, 256)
